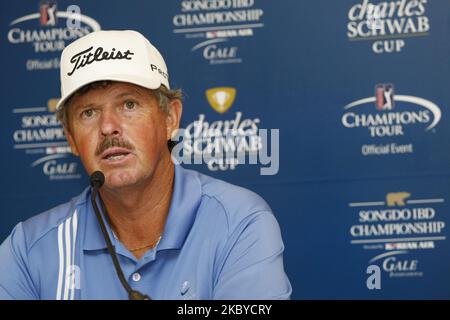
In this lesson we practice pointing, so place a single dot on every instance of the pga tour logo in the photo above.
(392, 113)
(47, 11)
(384, 94)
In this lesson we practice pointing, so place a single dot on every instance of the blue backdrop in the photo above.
(358, 89)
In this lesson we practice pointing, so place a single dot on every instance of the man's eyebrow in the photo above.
(84, 106)
(119, 96)
(129, 93)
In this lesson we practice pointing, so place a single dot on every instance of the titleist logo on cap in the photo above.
(86, 57)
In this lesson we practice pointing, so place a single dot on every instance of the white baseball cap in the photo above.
(111, 55)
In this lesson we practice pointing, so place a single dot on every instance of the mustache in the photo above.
(110, 142)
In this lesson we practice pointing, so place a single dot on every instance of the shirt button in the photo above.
(136, 277)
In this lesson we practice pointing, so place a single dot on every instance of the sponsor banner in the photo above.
(229, 142)
(394, 229)
(358, 95)
(211, 27)
(45, 33)
(39, 137)
(388, 25)
(388, 116)
(36, 40)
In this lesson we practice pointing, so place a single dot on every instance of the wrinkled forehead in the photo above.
(97, 92)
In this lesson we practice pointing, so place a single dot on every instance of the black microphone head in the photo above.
(97, 179)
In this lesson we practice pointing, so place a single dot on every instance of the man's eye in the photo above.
(87, 113)
(130, 105)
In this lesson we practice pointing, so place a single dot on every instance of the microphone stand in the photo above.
(96, 184)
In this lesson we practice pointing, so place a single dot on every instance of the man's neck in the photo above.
(138, 214)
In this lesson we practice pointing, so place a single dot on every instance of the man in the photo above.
(177, 234)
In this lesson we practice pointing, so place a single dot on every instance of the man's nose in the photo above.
(110, 124)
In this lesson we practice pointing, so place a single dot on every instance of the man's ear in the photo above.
(71, 142)
(173, 117)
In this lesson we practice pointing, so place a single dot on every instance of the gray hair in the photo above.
(163, 96)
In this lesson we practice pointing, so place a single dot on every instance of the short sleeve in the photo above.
(252, 263)
(15, 280)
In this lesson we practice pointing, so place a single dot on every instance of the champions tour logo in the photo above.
(386, 121)
(225, 144)
(215, 23)
(388, 114)
(48, 31)
(387, 22)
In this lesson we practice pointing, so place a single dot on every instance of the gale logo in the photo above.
(221, 98)
(55, 169)
(396, 265)
(217, 53)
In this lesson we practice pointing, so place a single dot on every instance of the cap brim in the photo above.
(143, 82)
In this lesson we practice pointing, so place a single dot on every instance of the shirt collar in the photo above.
(185, 200)
(93, 238)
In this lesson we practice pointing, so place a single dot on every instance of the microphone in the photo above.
(97, 179)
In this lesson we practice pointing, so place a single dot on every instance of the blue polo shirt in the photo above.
(220, 242)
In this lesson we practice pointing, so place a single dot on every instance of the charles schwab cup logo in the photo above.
(216, 23)
(229, 142)
(48, 31)
(212, 140)
(387, 23)
(390, 115)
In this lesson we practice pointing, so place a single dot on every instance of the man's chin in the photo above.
(118, 180)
